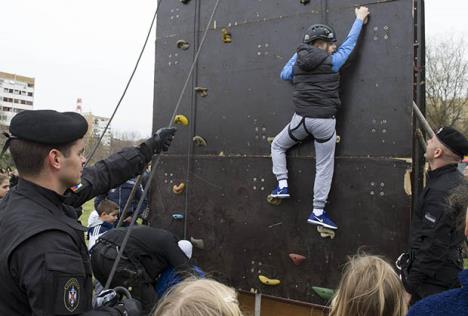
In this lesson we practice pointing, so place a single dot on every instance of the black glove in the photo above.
(130, 307)
(160, 141)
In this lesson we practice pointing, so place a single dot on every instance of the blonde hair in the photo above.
(369, 287)
(199, 297)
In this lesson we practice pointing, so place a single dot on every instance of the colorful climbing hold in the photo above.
(304, 2)
(197, 243)
(325, 232)
(273, 201)
(227, 36)
(296, 259)
(199, 141)
(181, 119)
(178, 216)
(183, 44)
(270, 139)
(324, 293)
(268, 281)
(338, 139)
(178, 189)
(203, 92)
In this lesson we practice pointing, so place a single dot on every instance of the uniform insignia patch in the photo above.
(430, 218)
(76, 187)
(71, 296)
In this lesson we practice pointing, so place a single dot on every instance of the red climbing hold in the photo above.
(296, 259)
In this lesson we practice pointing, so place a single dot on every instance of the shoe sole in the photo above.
(310, 221)
(280, 196)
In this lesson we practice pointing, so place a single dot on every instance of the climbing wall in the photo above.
(237, 103)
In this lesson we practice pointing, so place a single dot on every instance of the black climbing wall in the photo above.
(228, 180)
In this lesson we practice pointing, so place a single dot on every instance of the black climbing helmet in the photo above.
(319, 32)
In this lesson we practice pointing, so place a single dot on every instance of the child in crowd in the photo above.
(195, 297)
(4, 184)
(108, 212)
(314, 71)
(369, 287)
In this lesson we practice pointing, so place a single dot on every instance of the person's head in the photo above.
(108, 211)
(4, 184)
(447, 146)
(199, 297)
(369, 287)
(321, 36)
(49, 145)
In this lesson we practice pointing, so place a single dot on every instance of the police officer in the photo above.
(148, 252)
(435, 238)
(44, 264)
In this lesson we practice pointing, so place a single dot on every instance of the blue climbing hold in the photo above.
(177, 216)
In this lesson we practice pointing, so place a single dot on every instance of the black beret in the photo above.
(454, 140)
(48, 126)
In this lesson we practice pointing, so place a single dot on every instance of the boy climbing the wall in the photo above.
(314, 72)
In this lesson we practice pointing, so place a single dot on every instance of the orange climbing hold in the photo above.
(296, 259)
(178, 189)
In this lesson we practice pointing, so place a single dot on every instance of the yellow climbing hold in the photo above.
(181, 119)
(273, 201)
(268, 281)
(325, 232)
(227, 36)
(178, 189)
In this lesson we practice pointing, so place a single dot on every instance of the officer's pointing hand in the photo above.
(160, 141)
(163, 137)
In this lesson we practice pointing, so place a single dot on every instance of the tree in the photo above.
(447, 83)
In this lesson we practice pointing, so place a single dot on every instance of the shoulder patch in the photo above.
(76, 187)
(430, 217)
(71, 294)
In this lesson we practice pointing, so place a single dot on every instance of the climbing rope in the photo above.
(156, 163)
(93, 152)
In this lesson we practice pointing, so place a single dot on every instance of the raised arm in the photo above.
(341, 55)
(287, 72)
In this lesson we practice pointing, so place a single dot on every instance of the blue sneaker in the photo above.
(322, 220)
(280, 193)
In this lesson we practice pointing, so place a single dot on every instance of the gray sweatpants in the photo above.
(323, 132)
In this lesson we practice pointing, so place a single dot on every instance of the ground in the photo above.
(88, 207)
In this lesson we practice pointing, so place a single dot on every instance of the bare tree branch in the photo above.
(447, 83)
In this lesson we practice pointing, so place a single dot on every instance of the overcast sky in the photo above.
(88, 48)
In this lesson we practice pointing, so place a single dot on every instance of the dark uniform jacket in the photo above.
(436, 236)
(147, 253)
(316, 85)
(44, 264)
(155, 249)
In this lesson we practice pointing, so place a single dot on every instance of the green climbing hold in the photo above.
(273, 201)
(324, 293)
(199, 141)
